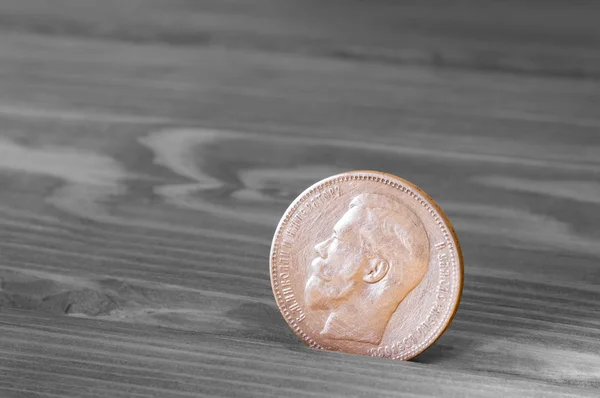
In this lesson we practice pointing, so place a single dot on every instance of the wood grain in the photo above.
(148, 149)
(91, 358)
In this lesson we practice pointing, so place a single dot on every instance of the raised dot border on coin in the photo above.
(404, 186)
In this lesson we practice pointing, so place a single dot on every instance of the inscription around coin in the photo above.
(293, 306)
(425, 326)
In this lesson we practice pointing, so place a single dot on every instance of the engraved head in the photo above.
(377, 253)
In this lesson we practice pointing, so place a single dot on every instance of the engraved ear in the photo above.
(377, 268)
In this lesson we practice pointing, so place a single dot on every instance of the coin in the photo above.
(366, 263)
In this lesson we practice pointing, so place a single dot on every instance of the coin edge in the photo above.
(376, 176)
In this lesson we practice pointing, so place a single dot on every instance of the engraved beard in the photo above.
(336, 268)
(322, 295)
(338, 296)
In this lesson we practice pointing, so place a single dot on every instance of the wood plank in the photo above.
(525, 37)
(81, 357)
(142, 178)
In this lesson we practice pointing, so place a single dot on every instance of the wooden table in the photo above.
(148, 149)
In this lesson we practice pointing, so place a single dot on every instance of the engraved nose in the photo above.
(321, 248)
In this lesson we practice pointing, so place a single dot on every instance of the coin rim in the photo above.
(448, 224)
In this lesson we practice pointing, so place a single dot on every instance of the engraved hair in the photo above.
(390, 219)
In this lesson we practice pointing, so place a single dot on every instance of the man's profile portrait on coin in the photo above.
(377, 254)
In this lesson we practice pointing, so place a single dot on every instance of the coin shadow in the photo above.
(455, 345)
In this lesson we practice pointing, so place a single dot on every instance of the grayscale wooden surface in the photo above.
(148, 149)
